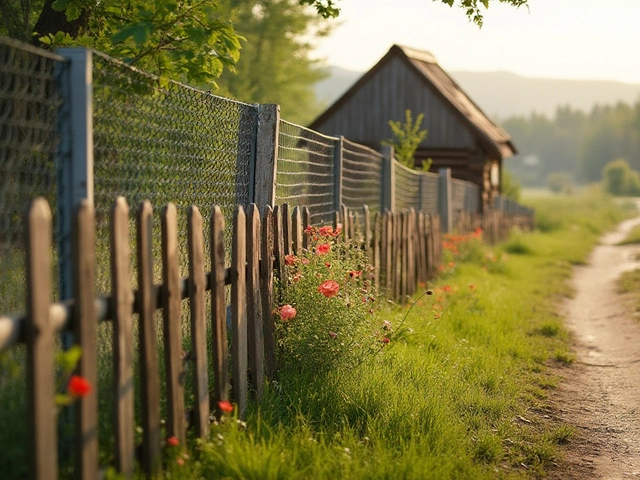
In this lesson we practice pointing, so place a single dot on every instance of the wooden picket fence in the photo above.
(403, 247)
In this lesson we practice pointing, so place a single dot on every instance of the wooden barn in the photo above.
(460, 136)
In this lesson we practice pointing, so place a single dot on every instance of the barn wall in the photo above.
(385, 96)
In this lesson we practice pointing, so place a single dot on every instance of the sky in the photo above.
(576, 39)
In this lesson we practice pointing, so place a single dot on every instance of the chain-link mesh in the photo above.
(464, 196)
(361, 177)
(305, 171)
(407, 187)
(29, 106)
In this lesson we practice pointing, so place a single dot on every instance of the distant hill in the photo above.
(504, 94)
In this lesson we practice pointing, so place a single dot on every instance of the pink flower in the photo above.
(309, 230)
(329, 288)
(225, 406)
(386, 324)
(289, 259)
(304, 261)
(325, 231)
(173, 441)
(297, 277)
(78, 386)
(180, 461)
(333, 334)
(287, 312)
(323, 248)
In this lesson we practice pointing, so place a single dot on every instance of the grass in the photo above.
(633, 237)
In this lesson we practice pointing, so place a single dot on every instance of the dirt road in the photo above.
(600, 394)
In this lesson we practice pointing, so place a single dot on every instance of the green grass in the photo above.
(632, 237)
(453, 395)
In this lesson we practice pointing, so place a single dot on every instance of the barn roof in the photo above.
(425, 65)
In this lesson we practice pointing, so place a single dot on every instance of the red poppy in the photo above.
(304, 261)
(329, 288)
(323, 248)
(78, 386)
(385, 340)
(325, 231)
(173, 441)
(289, 259)
(225, 406)
(287, 312)
(447, 288)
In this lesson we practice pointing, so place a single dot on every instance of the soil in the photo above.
(600, 393)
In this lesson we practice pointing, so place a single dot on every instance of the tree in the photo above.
(620, 179)
(407, 137)
(274, 66)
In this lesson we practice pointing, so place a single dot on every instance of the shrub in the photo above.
(620, 179)
(559, 182)
(327, 318)
(407, 137)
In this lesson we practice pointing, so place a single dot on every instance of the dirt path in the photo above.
(600, 394)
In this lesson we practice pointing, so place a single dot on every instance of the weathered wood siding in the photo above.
(385, 96)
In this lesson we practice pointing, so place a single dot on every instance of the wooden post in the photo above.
(239, 356)
(266, 282)
(85, 333)
(388, 179)
(264, 192)
(279, 244)
(122, 303)
(218, 310)
(306, 223)
(286, 228)
(39, 335)
(337, 173)
(151, 441)
(377, 223)
(367, 234)
(444, 200)
(171, 300)
(296, 230)
(254, 301)
(197, 286)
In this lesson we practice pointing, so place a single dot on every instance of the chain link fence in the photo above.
(306, 171)
(465, 196)
(361, 177)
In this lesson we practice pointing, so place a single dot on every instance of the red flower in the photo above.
(385, 340)
(447, 288)
(355, 273)
(289, 259)
(296, 277)
(287, 312)
(225, 406)
(173, 441)
(304, 261)
(327, 264)
(329, 288)
(337, 231)
(472, 286)
(325, 231)
(309, 230)
(452, 264)
(323, 248)
(78, 386)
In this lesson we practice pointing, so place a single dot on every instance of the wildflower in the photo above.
(327, 264)
(333, 334)
(289, 259)
(323, 248)
(355, 273)
(452, 264)
(296, 277)
(472, 286)
(304, 261)
(180, 461)
(225, 406)
(173, 441)
(309, 230)
(337, 230)
(78, 386)
(386, 324)
(329, 288)
(326, 231)
(385, 340)
(287, 312)
(437, 315)
(447, 288)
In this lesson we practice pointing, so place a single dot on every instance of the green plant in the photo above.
(559, 182)
(328, 312)
(620, 179)
(407, 137)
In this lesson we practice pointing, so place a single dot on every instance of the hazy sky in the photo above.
(582, 39)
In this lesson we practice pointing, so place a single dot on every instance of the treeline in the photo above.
(574, 142)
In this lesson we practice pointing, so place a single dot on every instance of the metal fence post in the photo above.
(337, 175)
(266, 159)
(388, 179)
(444, 200)
(75, 167)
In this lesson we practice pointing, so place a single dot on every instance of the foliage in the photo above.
(328, 315)
(559, 182)
(619, 179)
(473, 7)
(509, 186)
(274, 67)
(407, 137)
(632, 237)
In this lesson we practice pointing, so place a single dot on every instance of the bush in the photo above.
(620, 179)
(328, 313)
(559, 182)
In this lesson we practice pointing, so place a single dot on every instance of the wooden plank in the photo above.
(346, 225)
(306, 223)
(122, 307)
(296, 230)
(218, 309)
(387, 251)
(197, 287)
(149, 371)
(39, 334)
(376, 239)
(171, 300)
(404, 239)
(266, 283)
(286, 229)
(367, 234)
(84, 329)
(397, 251)
(338, 225)
(254, 302)
(239, 311)
(278, 232)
